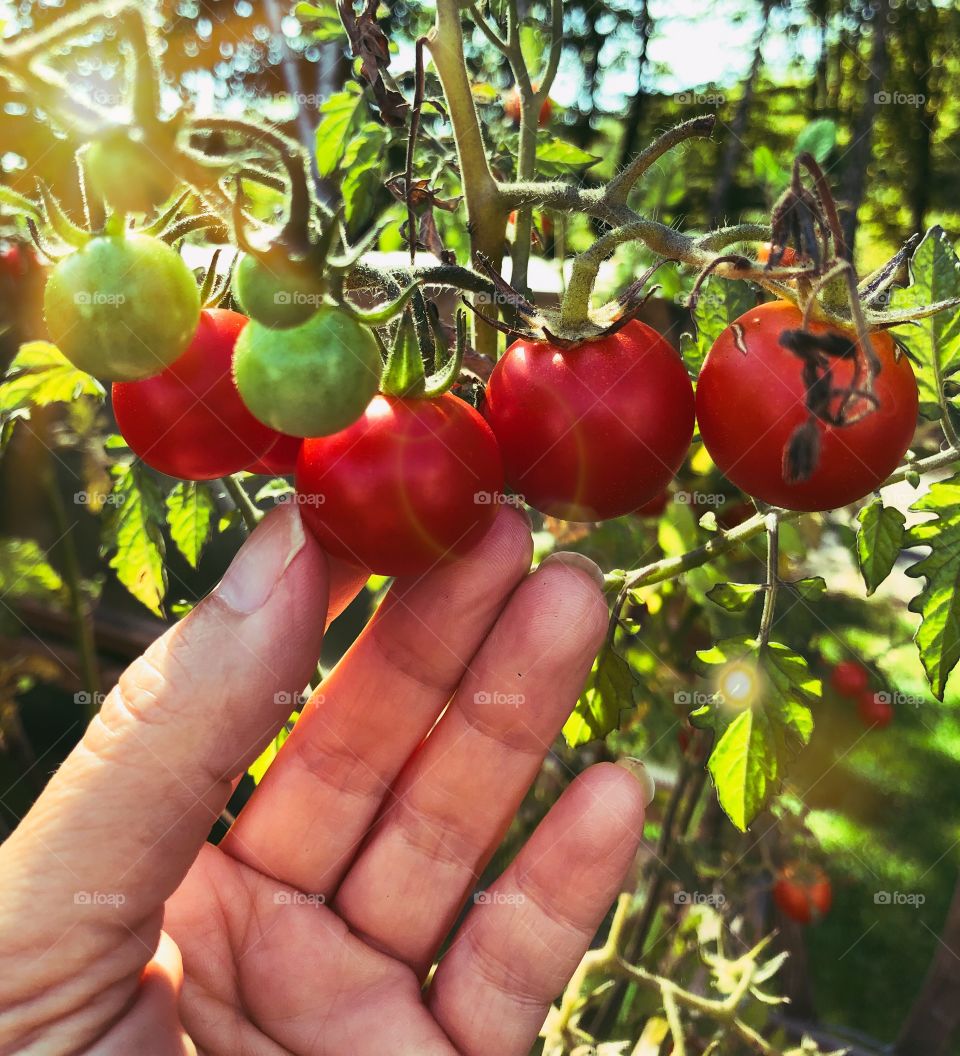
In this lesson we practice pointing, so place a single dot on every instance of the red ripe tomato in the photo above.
(874, 710)
(803, 896)
(849, 678)
(594, 431)
(189, 421)
(751, 399)
(280, 459)
(411, 483)
(513, 107)
(654, 507)
(788, 259)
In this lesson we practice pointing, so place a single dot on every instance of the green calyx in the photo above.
(404, 373)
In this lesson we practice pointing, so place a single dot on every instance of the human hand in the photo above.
(312, 926)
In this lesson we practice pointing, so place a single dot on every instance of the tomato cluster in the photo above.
(852, 680)
(803, 894)
(395, 481)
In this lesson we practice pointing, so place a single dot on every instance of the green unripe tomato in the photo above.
(124, 171)
(310, 380)
(275, 294)
(122, 307)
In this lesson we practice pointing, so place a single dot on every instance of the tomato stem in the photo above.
(244, 504)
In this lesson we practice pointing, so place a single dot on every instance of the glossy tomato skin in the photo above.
(789, 255)
(280, 458)
(411, 483)
(874, 710)
(594, 431)
(654, 507)
(849, 678)
(189, 420)
(751, 399)
(803, 898)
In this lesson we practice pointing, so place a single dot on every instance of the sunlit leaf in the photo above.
(190, 512)
(734, 597)
(611, 689)
(719, 303)
(25, 572)
(132, 533)
(338, 116)
(879, 540)
(41, 374)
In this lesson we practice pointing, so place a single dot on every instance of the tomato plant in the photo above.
(189, 421)
(751, 399)
(122, 307)
(849, 678)
(803, 894)
(309, 380)
(411, 483)
(594, 431)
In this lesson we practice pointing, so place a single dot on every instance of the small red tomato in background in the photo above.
(751, 399)
(189, 421)
(788, 259)
(513, 106)
(411, 483)
(654, 507)
(803, 895)
(874, 709)
(280, 459)
(849, 678)
(595, 431)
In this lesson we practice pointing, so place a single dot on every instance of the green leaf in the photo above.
(768, 169)
(611, 688)
(276, 488)
(556, 157)
(720, 302)
(938, 603)
(811, 588)
(818, 139)
(190, 512)
(338, 116)
(41, 374)
(132, 532)
(26, 573)
(320, 20)
(363, 163)
(261, 764)
(879, 540)
(934, 276)
(761, 712)
(734, 597)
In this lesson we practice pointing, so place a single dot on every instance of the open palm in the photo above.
(314, 924)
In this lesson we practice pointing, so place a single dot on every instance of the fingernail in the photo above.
(639, 770)
(577, 561)
(262, 560)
